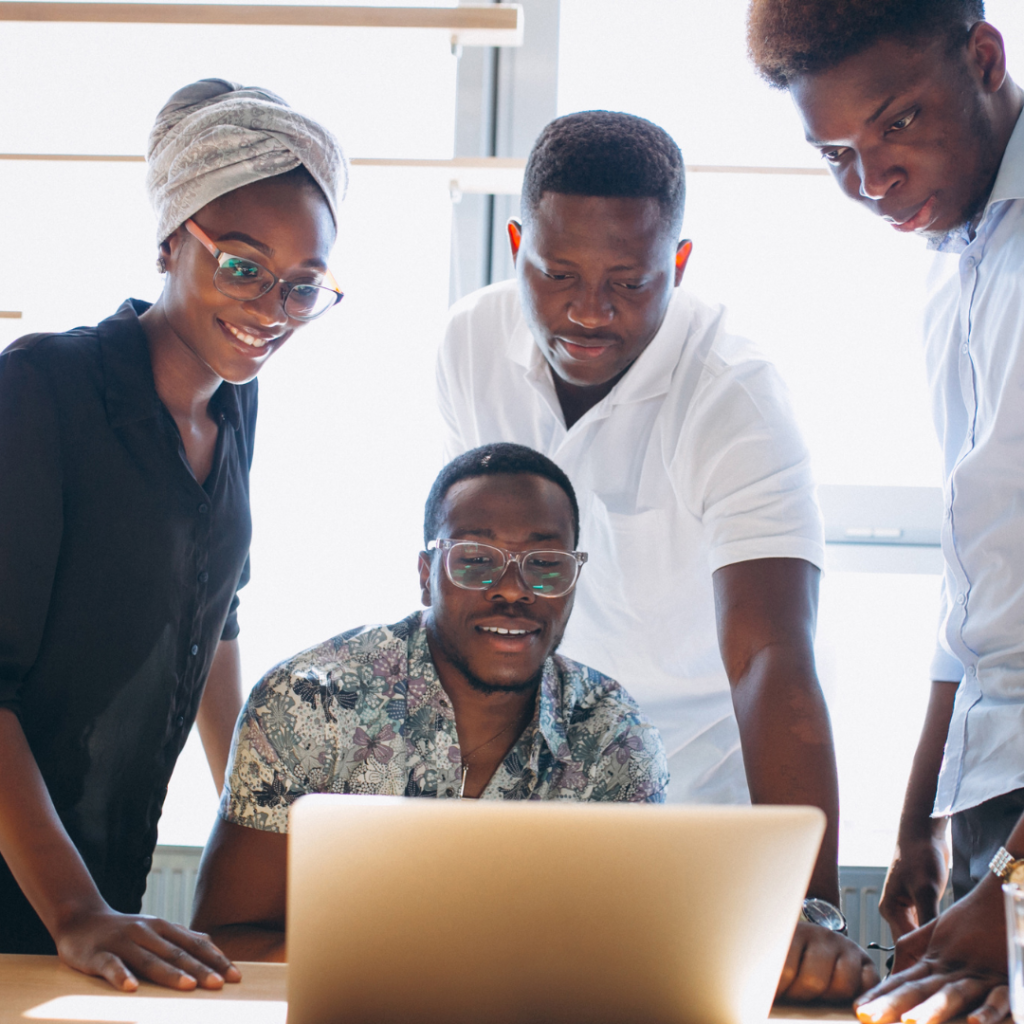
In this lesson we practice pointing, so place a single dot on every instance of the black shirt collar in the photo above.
(128, 373)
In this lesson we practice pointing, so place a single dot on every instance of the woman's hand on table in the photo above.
(125, 947)
(824, 965)
(953, 965)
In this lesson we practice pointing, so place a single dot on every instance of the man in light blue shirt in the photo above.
(912, 108)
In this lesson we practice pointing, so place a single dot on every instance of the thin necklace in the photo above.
(465, 757)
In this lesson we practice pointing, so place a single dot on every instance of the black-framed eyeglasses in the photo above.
(246, 280)
(472, 566)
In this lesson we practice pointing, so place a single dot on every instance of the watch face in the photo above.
(822, 913)
(1015, 874)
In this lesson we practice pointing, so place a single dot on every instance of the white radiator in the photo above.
(172, 883)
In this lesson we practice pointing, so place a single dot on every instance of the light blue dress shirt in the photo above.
(974, 349)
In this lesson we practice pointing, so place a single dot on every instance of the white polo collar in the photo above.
(648, 377)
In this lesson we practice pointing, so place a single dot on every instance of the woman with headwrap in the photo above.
(124, 529)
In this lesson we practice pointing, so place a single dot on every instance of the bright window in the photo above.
(834, 297)
(348, 440)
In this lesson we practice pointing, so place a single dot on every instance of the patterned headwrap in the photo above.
(215, 136)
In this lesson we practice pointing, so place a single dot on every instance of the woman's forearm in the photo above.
(33, 842)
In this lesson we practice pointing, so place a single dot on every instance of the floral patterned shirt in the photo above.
(366, 713)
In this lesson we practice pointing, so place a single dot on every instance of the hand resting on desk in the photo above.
(824, 965)
(954, 964)
(103, 942)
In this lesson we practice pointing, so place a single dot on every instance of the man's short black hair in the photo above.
(790, 38)
(603, 153)
(488, 460)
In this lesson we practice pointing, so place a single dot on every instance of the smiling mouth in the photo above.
(507, 632)
(252, 340)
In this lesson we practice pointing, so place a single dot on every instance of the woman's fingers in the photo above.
(199, 946)
(157, 965)
(166, 963)
(124, 947)
(114, 971)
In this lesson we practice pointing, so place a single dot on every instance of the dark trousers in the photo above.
(977, 833)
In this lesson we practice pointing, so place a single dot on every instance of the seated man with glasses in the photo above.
(466, 699)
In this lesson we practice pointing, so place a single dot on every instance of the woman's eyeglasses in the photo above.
(245, 280)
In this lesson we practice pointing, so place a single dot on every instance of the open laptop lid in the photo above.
(415, 910)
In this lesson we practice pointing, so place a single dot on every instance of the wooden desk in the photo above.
(41, 988)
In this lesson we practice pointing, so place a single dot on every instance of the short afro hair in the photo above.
(489, 460)
(603, 153)
(790, 38)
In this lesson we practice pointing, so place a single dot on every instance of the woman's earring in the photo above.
(161, 266)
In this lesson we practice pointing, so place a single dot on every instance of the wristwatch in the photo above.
(825, 915)
(1007, 867)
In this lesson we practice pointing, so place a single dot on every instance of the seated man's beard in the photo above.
(455, 658)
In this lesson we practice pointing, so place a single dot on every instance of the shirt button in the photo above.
(972, 671)
(204, 508)
(961, 599)
(203, 577)
(964, 350)
(181, 721)
(195, 649)
(449, 791)
(971, 260)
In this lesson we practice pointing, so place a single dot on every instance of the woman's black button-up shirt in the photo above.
(118, 577)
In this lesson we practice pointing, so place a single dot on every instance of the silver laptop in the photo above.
(487, 912)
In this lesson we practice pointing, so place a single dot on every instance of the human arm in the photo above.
(219, 708)
(89, 935)
(954, 964)
(767, 612)
(920, 865)
(240, 891)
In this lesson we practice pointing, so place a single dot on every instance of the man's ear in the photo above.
(987, 52)
(425, 564)
(515, 236)
(683, 251)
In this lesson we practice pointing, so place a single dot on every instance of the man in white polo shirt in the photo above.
(696, 494)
